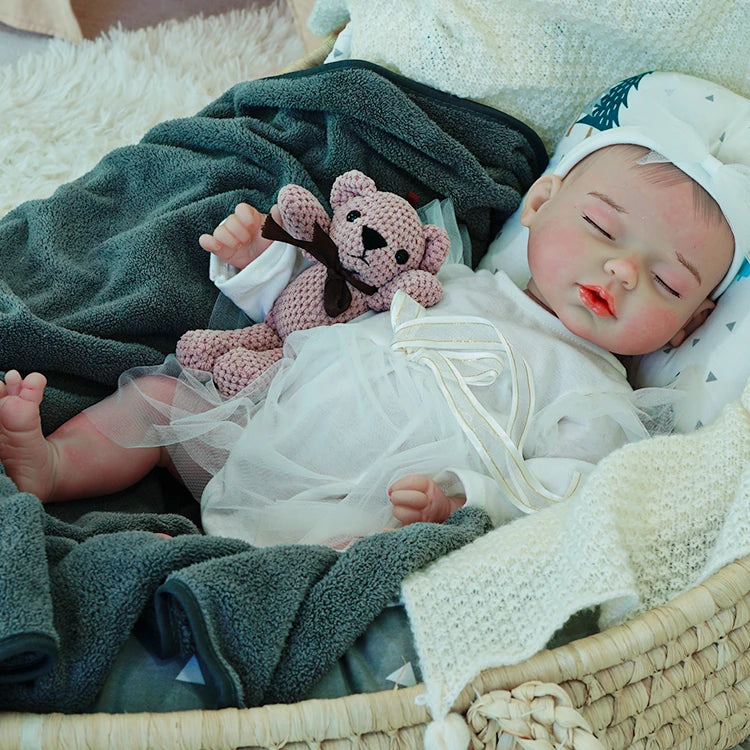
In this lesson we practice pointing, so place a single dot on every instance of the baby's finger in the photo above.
(408, 498)
(276, 213)
(406, 515)
(209, 243)
(249, 217)
(416, 482)
(225, 233)
(238, 229)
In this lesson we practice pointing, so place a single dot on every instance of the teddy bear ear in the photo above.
(436, 247)
(350, 185)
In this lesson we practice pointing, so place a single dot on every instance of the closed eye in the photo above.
(589, 220)
(666, 286)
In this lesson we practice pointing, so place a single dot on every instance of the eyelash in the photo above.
(666, 286)
(589, 220)
(657, 279)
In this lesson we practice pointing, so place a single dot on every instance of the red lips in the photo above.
(598, 300)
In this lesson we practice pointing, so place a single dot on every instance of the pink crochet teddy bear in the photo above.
(373, 245)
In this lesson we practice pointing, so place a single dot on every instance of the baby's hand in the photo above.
(237, 240)
(418, 498)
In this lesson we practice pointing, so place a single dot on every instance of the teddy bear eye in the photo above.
(353, 215)
(401, 256)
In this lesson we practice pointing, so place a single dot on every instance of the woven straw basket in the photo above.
(677, 676)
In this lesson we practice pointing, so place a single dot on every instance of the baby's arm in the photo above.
(237, 240)
(418, 498)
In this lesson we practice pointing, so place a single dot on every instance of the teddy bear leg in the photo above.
(198, 350)
(235, 369)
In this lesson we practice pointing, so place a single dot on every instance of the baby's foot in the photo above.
(29, 459)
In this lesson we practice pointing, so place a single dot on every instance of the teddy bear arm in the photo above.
(300, 210)
(421, 286)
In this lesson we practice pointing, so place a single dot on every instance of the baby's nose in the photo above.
(625, 270)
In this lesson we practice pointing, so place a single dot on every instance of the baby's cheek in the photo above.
(653, 327)
(553, 252)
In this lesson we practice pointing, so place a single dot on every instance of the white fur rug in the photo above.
(62, 109)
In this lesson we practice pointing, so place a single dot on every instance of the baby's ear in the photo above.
(539, 193)
(697, 319)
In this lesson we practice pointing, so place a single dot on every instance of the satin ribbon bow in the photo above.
(337, 296)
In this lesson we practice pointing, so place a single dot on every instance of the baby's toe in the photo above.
(13, 381)
(32, 387)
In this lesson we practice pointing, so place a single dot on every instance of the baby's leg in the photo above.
(76, 460)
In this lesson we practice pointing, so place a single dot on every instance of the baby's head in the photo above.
(626, 249)
(643, 218)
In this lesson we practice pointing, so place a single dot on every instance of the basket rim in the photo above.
(399, 709)
(656, 627)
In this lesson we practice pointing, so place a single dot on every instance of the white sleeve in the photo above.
(255, 288)
(555, 473)
(568, 452)
(480, 491)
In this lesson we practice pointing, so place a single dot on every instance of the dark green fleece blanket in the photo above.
(265, 624)
(106, 274)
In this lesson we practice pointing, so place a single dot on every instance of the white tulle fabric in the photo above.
(310, 458)
(307, 453)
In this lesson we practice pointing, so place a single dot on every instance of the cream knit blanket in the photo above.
(541, 61)
(654, 519)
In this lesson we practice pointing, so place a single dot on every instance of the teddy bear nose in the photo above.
(372, 240)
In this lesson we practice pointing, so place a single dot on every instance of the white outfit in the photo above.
(354, 407)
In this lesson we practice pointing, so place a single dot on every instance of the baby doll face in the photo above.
(623, 261)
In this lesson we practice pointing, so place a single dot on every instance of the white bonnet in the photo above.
(701, 127)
